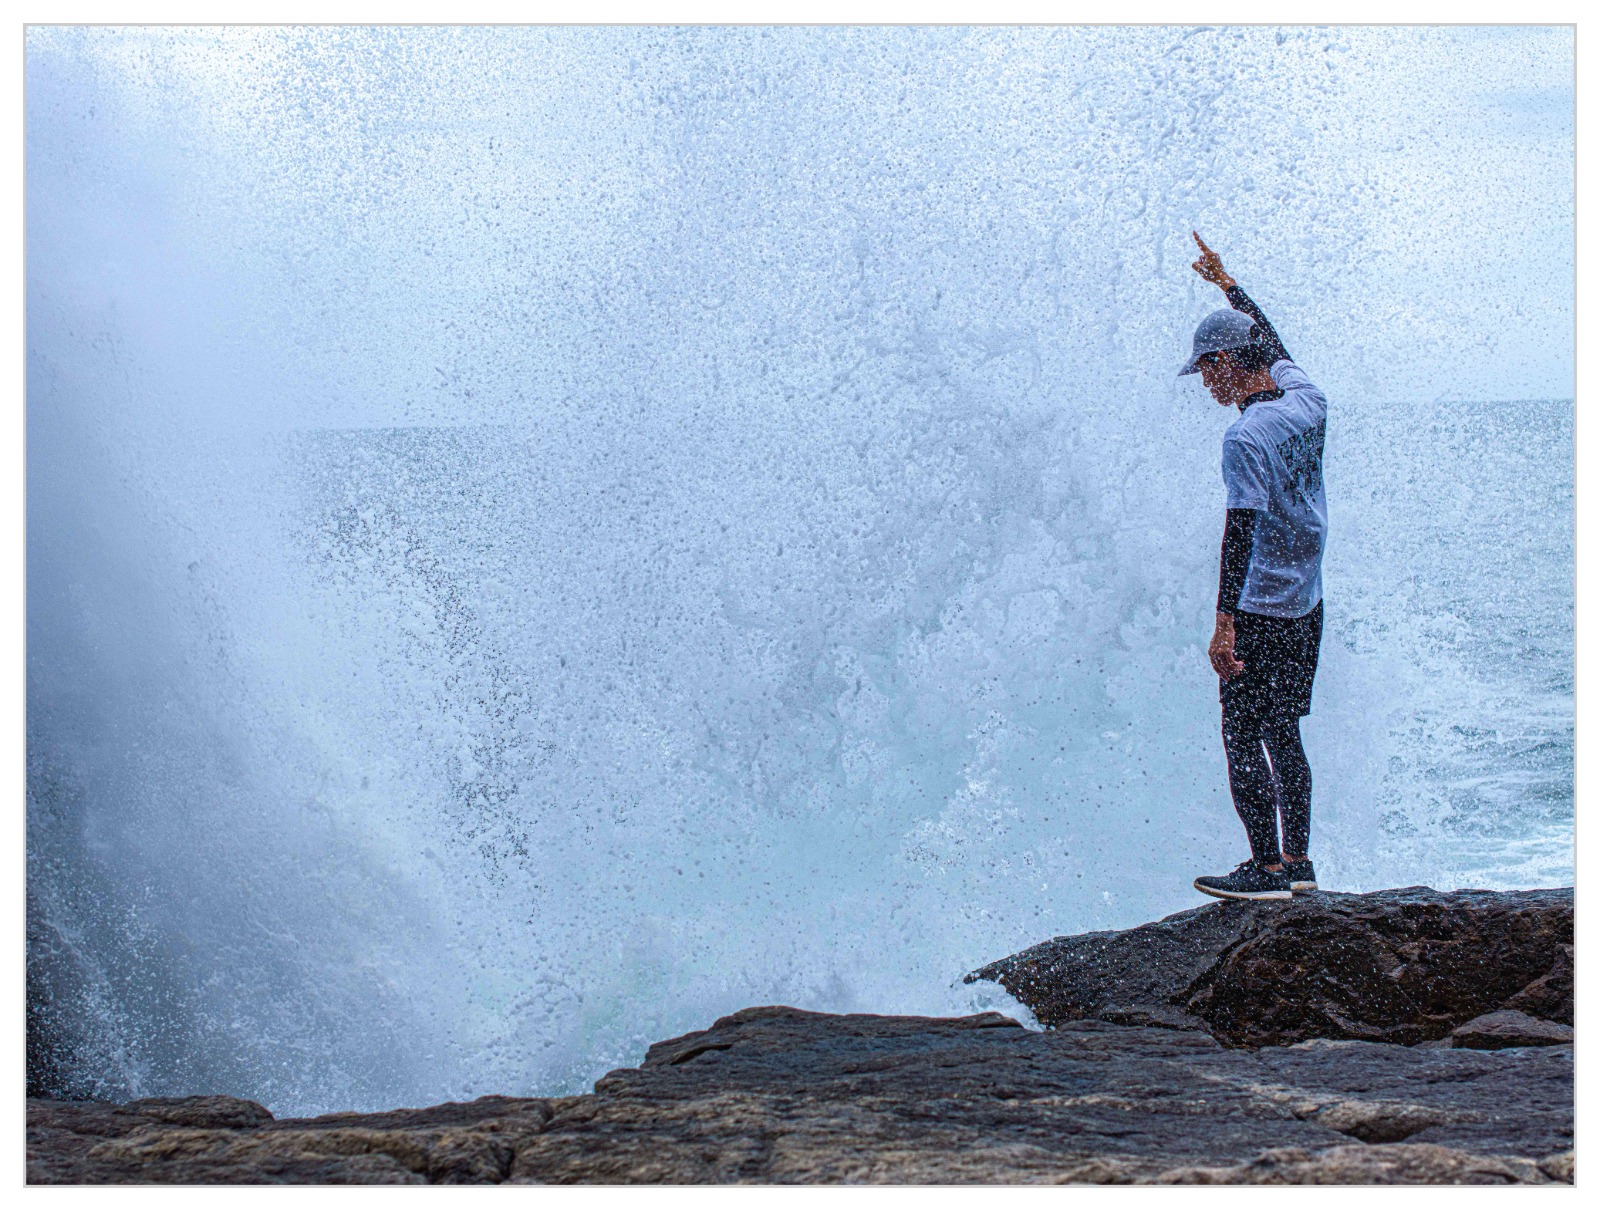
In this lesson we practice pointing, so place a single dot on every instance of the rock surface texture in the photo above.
(784, 1095)
(1402, 967)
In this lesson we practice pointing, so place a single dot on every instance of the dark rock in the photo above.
(782, 1095)
(1550, 996)
(214, 1111)
(1393, 966)
(1235, 1043)
(1509, 1028)
(226, 1140)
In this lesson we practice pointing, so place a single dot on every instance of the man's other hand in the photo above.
(1221, 651)
(1209, 266)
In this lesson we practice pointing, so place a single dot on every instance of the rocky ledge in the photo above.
(1156, 1070)
(1407, 966)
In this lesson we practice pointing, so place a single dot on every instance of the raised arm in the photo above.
(1268, 339)
(1209, 266)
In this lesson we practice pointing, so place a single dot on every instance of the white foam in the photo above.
(541, 538)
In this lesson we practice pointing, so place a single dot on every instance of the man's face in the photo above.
(1223, 378)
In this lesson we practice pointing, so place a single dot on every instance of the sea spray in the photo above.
(539, 538)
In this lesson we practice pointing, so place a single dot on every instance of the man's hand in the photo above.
(1221, 651)
(1209, 266)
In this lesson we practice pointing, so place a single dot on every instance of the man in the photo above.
(1269, 602)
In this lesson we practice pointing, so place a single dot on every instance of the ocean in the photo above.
(540, 538)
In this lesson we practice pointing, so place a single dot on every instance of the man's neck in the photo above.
(1257, 385)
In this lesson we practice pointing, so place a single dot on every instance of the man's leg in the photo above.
(1288, 755)
(1250, 780)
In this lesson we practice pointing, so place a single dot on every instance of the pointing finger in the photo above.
(1199, 241)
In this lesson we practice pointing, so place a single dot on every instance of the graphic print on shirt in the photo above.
(1302, 457)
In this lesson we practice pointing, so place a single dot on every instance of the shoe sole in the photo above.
(1304, 885)
(1243, 895)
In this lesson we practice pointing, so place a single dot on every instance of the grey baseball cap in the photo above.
(1225, 329)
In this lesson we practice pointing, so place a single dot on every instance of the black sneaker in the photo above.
(1302, 875)
(1248, 881)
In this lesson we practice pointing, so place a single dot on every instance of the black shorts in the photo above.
(1280, 662)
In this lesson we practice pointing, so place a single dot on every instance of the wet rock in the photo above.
(1235, 1043)
(780, 1095)
(223, 1140)
(1400, 966)
(1509, 1028)
(1380, 1122)
(202, 1111)
(1385, 1165)
(1550, 996)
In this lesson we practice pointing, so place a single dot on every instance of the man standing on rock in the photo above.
(1269, 603)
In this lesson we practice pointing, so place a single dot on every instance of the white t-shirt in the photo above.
(1272, 462)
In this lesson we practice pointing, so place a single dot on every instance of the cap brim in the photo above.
(1191, 366)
